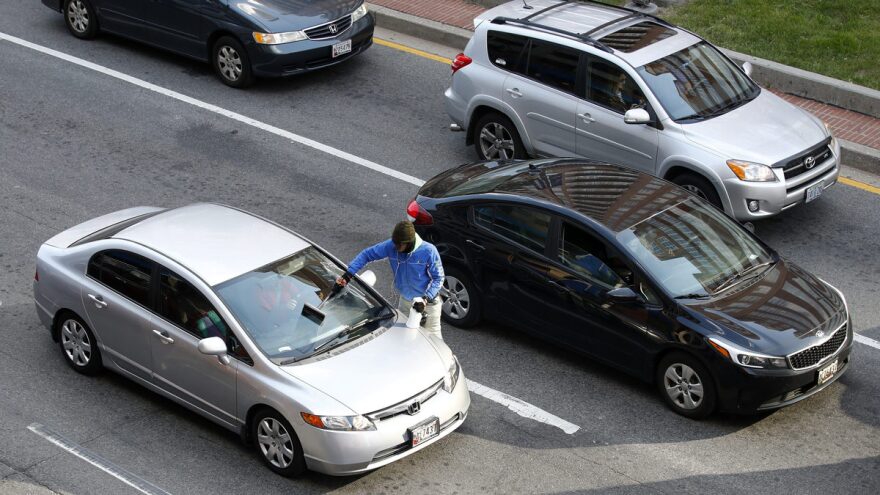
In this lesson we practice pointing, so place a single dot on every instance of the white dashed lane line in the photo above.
(866, 340)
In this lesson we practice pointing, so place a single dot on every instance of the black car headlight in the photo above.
(747, 359)
(451, 378)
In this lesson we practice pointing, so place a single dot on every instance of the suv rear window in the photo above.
(554, 65)
(505, 49)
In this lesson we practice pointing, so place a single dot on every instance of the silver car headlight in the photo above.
(451, 378)
(279, 38)
(748, 359)
(751, 172)
(339, 423)
(833, 142)
(358, 13)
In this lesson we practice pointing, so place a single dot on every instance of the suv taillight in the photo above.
(460, 60)
(36, 275)
(418, 215)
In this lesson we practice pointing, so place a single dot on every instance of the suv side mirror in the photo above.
(214, 346)
(747, 68)
(623, 295)
(637, 116)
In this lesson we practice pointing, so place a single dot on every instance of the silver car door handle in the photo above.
(587, 118)
(163, 337)
(514, 92)
(475, 245)
(98, 300)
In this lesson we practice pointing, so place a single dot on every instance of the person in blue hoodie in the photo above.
(418, 272)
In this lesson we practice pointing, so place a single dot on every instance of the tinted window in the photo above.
(505, 49)
(611, 87)
(637, 36)
(553, 65)
(523, 225)
(126, 273)
(585, 255)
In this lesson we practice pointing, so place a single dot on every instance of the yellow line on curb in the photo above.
(860, 185)
(414, 51)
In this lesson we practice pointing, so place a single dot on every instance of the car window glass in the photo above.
(125, 272)
(611, 87)
(505, 49)
(553, 65)
(523, 225)
(585, 255)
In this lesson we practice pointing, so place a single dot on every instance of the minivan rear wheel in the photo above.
(699, 186)
(686, 385)
(496, 138)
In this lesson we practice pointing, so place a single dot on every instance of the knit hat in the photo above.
(404, 233)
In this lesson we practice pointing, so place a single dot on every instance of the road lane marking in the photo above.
(99, 462)
(414, 51)
(859, 184)
(522, 407)
(866, 340)
(311, 143)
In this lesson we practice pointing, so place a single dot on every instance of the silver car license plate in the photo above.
(814, 192)
(827, 372)
(341, 48)
(424, 431)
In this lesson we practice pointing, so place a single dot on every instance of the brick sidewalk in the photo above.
(851, 126)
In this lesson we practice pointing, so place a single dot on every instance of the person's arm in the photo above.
(435, 269)
(373, 253)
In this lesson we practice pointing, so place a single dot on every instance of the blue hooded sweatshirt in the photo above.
(416, 274)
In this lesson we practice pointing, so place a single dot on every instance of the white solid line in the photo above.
(866, 340)
(311, 143)
(99, 462)
(522, 407)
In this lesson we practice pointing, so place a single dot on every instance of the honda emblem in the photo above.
(414, 408)
(333, 28)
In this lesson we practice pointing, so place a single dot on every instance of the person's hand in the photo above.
(341, 281)
(419, 306)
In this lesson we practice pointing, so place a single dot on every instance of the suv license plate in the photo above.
(814, 192)
(424, 431)
(341, 48)
(827, 372)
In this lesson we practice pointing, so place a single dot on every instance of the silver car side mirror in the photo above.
(747, 68)
(214, 346)
(369, 278)
(637, 116)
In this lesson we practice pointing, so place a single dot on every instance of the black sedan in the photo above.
(636, 272)
(241, 39)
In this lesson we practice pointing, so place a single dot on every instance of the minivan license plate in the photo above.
(814, 192)
(424, 431)
(341, 48)
(827, 372)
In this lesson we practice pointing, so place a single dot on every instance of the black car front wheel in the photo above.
(231, 63)
(79, 15)
(686, 385)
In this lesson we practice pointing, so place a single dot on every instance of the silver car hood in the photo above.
(368, 376)
(765, 130)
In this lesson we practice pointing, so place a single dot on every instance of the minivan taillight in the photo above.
(460, 60)
(418, 215)
(36, 275)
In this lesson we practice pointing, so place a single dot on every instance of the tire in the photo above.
(679, 378)
(231, 63)
(462, 306)
(78, 345)
(505, 133)
(271, 431)
(699, 186)
(80, 18)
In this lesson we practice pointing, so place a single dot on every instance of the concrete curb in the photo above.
(419, 27)
(859, 156)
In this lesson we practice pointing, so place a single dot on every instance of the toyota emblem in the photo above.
(414, 408)
(333, 28)
(809, 162)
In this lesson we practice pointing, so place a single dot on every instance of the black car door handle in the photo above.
(475, 245)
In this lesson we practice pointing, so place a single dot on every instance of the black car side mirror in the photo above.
(623, 295)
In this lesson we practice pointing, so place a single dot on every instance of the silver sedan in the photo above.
(236, 318)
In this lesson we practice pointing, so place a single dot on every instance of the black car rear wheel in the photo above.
(231, 63)
(686, 385)
(461, 303)
(496, 138)
(79, 15)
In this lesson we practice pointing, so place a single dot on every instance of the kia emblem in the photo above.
(820, 334)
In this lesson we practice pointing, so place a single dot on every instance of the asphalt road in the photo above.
(75, 144)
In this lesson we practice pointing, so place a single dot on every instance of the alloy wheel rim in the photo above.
(275, 442)
(230, 62)
(457, 301)
(683, 385)
(696, 190)
(78, 16)
(496, 142)
(76, 343)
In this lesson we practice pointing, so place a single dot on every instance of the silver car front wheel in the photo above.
(275, 443)
(496, 142)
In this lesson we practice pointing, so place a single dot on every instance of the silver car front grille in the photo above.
(405, 407)
(330, 29)
(808, 160)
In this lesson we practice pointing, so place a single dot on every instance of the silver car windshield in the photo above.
(693, 250)
(697, 83)
(285, 307)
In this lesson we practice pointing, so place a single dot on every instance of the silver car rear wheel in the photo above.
(457, 301)
(683, 386)
(76, 343)
(275, 443)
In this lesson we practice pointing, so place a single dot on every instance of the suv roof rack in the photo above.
(578, 36)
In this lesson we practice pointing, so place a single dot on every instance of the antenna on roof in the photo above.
(527, 6)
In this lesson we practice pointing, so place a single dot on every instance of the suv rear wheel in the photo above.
(496, 138)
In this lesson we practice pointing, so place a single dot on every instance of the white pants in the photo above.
(433, 312)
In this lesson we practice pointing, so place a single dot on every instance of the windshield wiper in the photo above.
(692, 296)
(349, 329)
(693, 116)
(731, 281)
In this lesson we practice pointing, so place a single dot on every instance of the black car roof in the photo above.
(612, 196)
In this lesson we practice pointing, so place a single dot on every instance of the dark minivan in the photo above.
(242, 40)
(638, 273)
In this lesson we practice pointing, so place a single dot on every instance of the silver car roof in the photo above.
(215, 242)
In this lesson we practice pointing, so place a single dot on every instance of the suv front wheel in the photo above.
(496, 138)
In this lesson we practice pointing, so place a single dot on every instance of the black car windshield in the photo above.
(285, 308)
(697, 83)
(693, 250)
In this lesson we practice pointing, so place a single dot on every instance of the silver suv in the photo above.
(556, 78)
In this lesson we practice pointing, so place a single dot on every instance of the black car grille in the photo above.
(797, 166)
(811, 356)
(329, 30)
